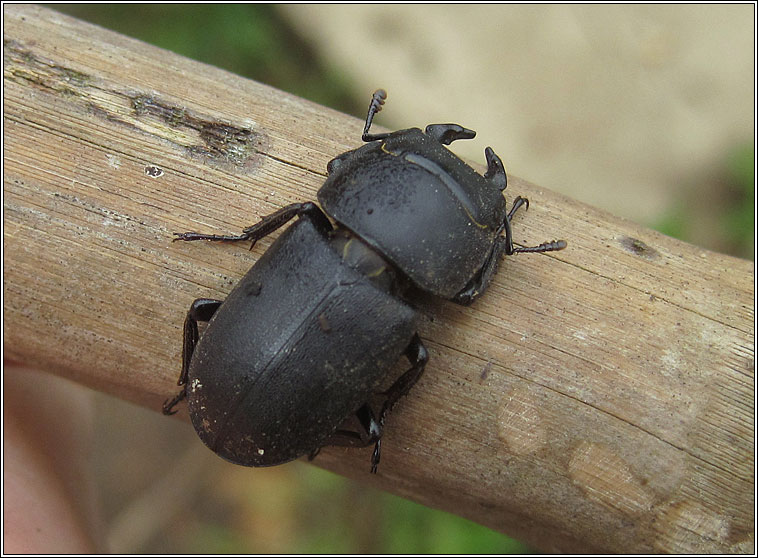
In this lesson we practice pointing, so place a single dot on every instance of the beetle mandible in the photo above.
(309, 334)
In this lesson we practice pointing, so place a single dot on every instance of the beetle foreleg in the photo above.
(552, 246)
(517, 203)
(502, 245)
(479, 283)
(201, 310)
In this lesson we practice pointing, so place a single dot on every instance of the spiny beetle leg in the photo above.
(479, 283)
(370, 432)
(517, 203)
(169, 404)
(552, 246)
(502, 245)
(374, 430)
(201, 310)
(267, 224)
(418, 356)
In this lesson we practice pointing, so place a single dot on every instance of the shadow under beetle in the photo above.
(310, 332)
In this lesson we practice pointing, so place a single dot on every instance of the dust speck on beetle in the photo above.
(254, 289)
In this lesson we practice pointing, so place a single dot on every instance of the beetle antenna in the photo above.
(377, 100)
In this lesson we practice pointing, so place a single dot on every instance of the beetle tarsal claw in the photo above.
(376, 456)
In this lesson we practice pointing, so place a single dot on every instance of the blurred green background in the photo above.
(180, 499)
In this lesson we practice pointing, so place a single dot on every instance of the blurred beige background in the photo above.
(625, 107)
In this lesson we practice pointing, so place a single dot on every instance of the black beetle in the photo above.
(310, 332)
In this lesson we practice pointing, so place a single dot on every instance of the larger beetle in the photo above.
(310, 333)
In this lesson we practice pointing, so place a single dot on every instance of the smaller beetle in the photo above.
(307, 337)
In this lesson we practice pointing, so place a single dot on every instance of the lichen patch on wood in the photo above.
(215, 141)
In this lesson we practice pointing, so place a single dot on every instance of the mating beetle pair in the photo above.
(308, 335)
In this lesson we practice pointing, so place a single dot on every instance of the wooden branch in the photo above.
(595, 399)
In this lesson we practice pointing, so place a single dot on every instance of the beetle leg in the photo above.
(201, 310)
(502, 245)
(517, 203)
(418, 356)
(372, 432)
(481, 280)
(169, 404)
(448, 133)
(268, 224)
(369, 433)
(552, 246)
(272, 222)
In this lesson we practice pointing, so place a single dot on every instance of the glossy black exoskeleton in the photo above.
(310, 332)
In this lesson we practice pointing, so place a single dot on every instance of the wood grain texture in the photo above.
(595, 399)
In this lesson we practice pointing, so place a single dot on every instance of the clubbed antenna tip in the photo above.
(377, 100)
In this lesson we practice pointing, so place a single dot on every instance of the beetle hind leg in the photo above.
(371, 428)
(418, 356)
(370, 432)
(201, 310)
(169, 404)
